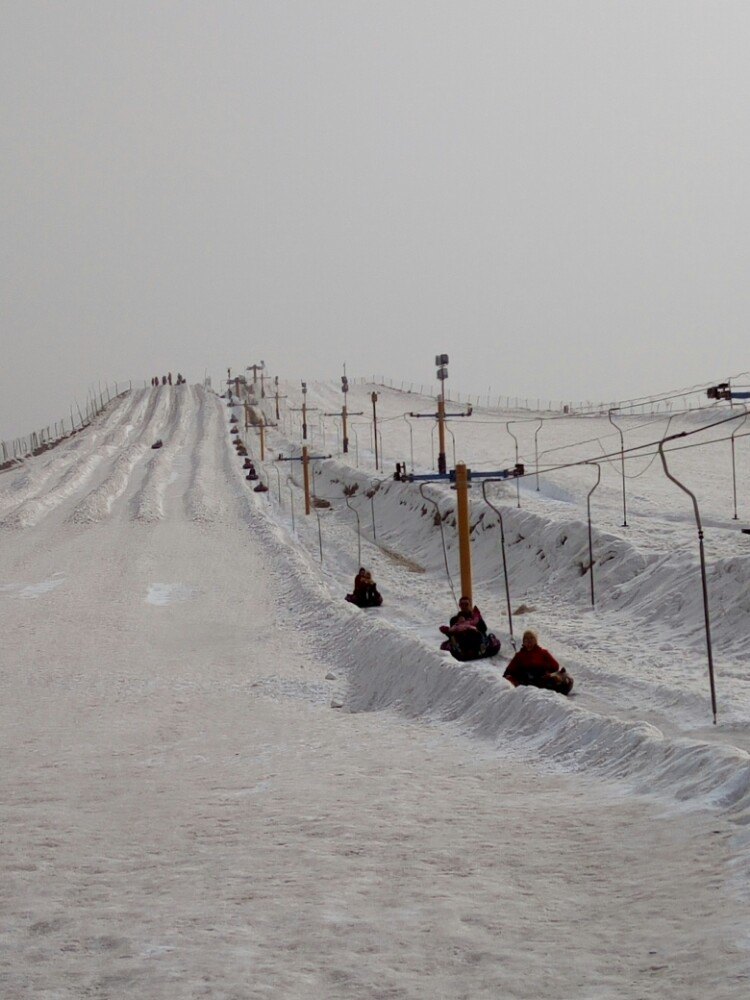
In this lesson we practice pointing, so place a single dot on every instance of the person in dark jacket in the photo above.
(365, 593)
(358, 585)
(371, 595)
(532, 665)
(466, 613)
(468, 638)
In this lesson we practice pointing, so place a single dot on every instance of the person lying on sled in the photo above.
(535, 666)
(365, 593)
(468, 638)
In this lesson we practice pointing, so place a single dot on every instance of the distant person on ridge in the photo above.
(537, 667)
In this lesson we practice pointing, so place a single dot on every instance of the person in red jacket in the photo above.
(537, 667)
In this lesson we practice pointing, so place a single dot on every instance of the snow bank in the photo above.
(388, 669)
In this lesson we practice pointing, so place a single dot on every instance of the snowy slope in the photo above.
(184, 814)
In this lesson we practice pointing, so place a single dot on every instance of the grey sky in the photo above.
(555, 193)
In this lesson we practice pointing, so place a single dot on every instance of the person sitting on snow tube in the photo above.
(468, 638)
(537, 667)
(358, 585)
(365, 594)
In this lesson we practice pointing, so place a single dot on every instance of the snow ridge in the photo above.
(108, 433)
(205, 500)
(96, 505)
(148, 502)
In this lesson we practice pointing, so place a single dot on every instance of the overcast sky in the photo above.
(553, 192)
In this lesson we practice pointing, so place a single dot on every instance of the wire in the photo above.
(632, 452)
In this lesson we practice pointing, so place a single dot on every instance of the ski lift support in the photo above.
(305, 459)
(724, 391)
(402, 476)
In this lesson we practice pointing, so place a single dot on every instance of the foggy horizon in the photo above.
(552, 193)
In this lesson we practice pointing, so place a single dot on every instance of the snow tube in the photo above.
(490, 647)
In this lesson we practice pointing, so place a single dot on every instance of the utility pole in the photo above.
(276, 396)
(345, 390)
(255, 369)
(305, 459)
(441, 362)
(344, 414)
(304, 408)
(462, 476)
(464, 530)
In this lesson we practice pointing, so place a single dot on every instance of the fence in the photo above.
(694, 399)
(35, 442)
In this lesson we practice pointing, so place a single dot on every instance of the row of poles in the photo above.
(461, 478)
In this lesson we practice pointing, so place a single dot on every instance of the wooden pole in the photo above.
(262, 442)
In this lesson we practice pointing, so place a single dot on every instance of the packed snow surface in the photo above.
(184, 812)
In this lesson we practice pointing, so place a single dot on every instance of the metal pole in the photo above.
(320, 536)
(591, 544)
(278, 483)
(734, 472)
(262, 441)
(622, 463)
(464, 530)
(411, 441)
(291, 498)
(453, 439)
(306, 478)
(505, 562)
(515, 439)
(442, 536)
(356, 445)
(374, 398)
(704, 584)
(359, 533)
(536, 449)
